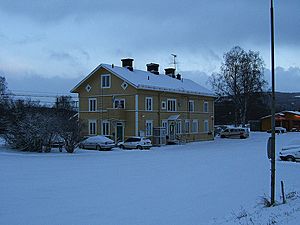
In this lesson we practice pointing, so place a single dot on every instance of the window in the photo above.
(187, 126)
(205, 107)
(164, 124)
(92, 127)
(163, 105)
(149, 127)
(191, 106)
(119, 103)
(206, 127)
(105, 127)
(171, 105)
(92, 104)
(178, 127)
(105, 81)
(148, 104)
(195, 126)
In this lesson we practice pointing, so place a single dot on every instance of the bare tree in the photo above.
(240, 78)
(69, 128)
(65, 102)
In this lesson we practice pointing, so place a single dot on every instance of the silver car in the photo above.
(136, 142)
(98, 142)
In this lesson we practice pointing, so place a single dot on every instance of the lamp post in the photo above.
(273, 107)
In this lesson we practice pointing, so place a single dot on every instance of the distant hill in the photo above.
(287, 101)
(224, 108)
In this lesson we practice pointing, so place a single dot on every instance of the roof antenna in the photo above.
(174, 60)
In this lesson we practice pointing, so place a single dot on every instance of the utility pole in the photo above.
(273, 107)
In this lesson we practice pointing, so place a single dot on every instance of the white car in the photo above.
(136, 142)
(98, 142)
(278, 130)
(290, 153)
(240, 132)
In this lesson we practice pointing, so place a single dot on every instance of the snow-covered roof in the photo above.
(148, 81)
(283, 114)
(293, 112)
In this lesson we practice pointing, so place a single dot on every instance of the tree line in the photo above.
(29, 126)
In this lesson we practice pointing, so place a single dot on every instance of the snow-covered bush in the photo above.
(32, 127)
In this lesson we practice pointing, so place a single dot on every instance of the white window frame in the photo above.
(118, 100)
(187, 126)
(104, 76)
(92, 106)
(195, 126)
(149, 107)
(92, 127)
(206, 126)
(164, 124)
(205, 106)
(105, 131)
(191, 106)
(178, 127)
(149, 131)
(163, 105)
(171, 108)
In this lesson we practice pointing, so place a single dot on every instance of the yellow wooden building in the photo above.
(122, 101)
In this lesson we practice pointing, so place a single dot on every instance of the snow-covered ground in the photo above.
(216, 182)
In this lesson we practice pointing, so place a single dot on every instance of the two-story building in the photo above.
(123, 101)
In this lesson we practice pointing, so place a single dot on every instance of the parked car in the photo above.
(278, 130)
(235, 132)
(57, 142)
(136, 142)
(290, 153)
(98, 142)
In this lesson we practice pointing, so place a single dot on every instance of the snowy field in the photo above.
(216, 182)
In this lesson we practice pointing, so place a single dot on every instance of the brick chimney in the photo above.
(153, 68)
(128, 63)
(178, 76)
(170, 72)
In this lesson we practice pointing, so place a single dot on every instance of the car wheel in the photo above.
(290, 158)
(139, 147)
(122, 147)
(98, 147)
(81, 146)
(222, 136)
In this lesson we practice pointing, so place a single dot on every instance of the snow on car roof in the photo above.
(98, 138)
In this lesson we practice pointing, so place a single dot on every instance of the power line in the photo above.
(43, 92)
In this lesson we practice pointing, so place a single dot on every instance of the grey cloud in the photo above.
(197, 76)
(62, 56)
(286, 80)
(74, 58)
(28, 40)
(169, 23)
(34, 82)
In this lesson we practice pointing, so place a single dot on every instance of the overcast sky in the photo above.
(51, 45)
